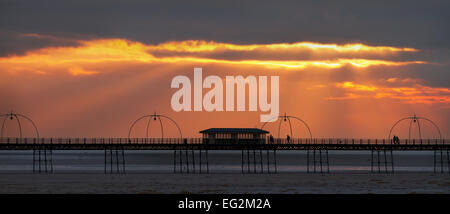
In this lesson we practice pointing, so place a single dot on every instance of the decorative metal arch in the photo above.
(17, 117)
(288, 118)
(415, 119)
(154, 117)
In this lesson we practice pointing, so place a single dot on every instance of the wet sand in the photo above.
(404, 183)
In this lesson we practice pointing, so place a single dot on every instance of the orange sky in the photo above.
(98, 87)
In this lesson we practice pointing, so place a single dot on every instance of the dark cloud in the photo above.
(19, 43)
(422, 24)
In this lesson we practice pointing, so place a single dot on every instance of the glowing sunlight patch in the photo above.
(103, 51)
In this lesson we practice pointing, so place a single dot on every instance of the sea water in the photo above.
(88, 161)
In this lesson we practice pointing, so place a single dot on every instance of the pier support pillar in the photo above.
(317, 160)
(253, 162)
(42, 158)
(114, 159)
(441, 158)
(382, 158)
(190, 161)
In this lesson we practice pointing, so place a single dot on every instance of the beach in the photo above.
(288, 183)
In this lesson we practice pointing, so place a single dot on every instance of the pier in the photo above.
(258, 151)
(191, 154)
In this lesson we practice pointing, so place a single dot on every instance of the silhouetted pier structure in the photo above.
(191, 154)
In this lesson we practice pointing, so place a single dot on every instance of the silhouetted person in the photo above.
(185, 141)
(288, 138)
(271, 139)
(396, 140)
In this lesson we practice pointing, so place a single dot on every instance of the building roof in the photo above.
(235, 130)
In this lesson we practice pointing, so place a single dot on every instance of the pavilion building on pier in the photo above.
(234, 136)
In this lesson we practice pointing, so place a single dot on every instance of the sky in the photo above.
(349, 69)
